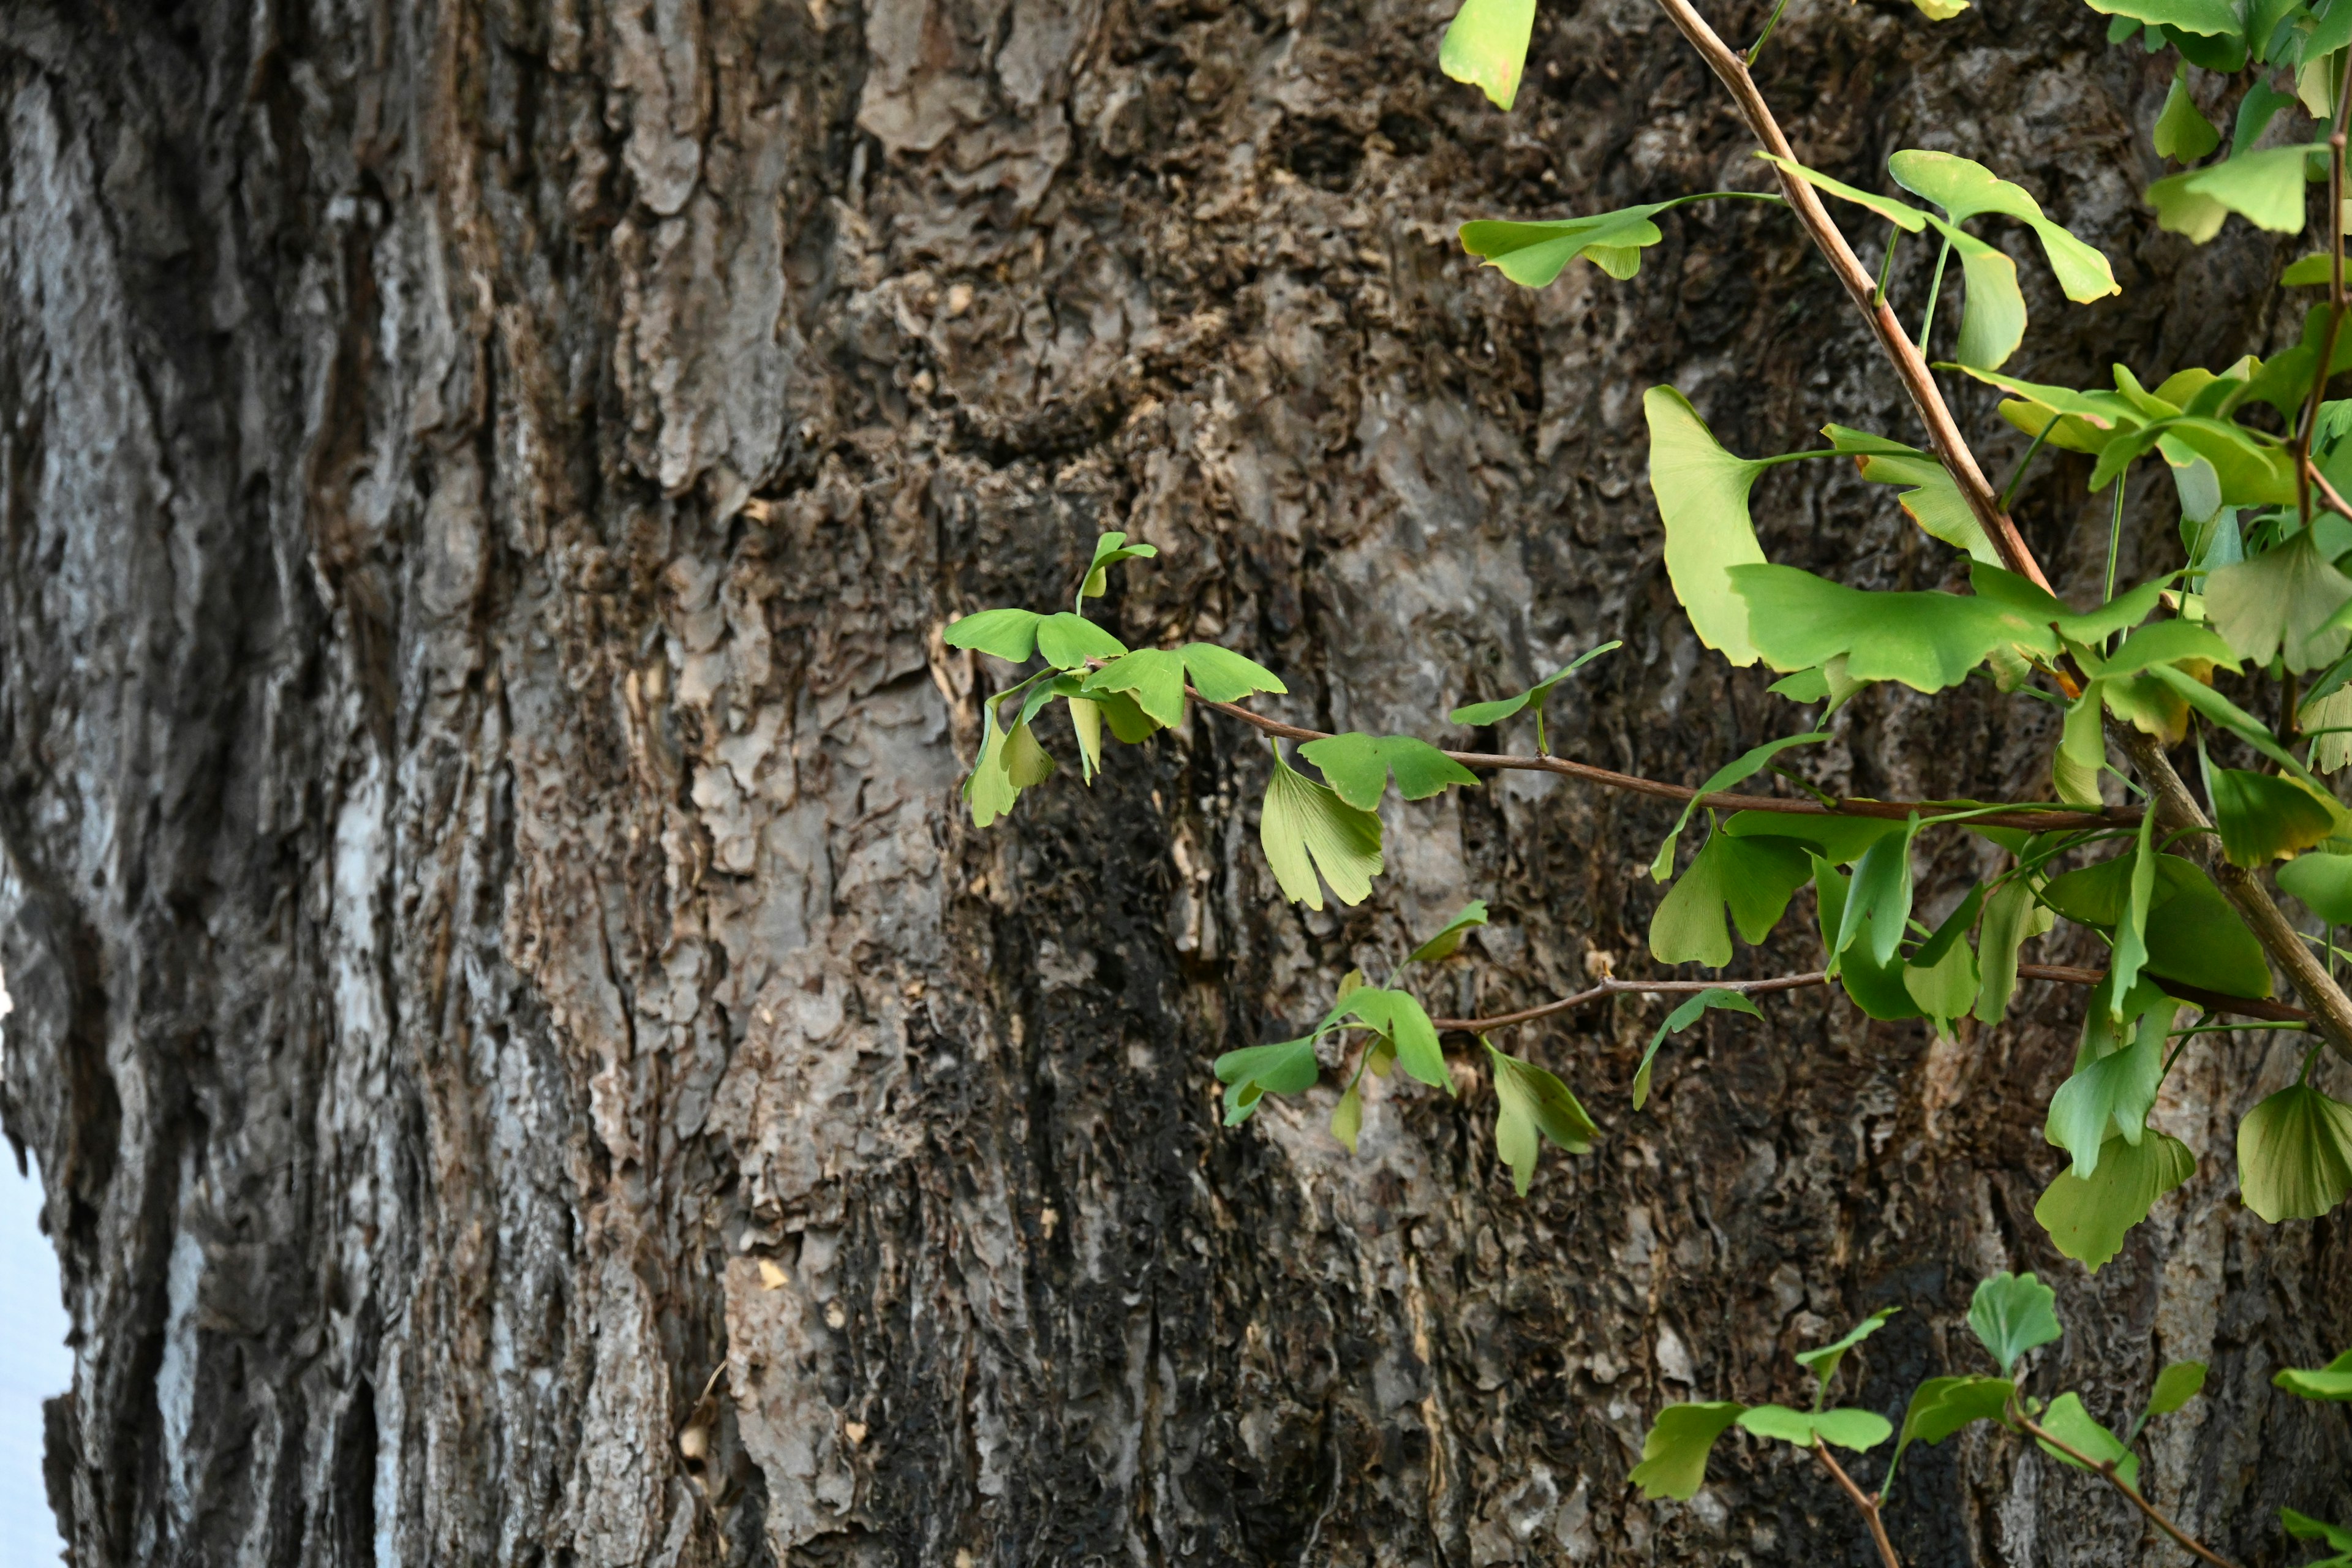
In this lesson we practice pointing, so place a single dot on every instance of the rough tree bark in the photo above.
(529, 1065)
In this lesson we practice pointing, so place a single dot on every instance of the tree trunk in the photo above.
(531, 1064)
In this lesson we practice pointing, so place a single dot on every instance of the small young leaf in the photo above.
(1348, 1118)
(2294, 1154)
(1358, 765)
(1404, 1024)
(1221, 675)
(989, 789)
(2324, 883)
(2176, 1386)
(1086, 723)
(1856, 1429)
(1528, 1100)
(1533, 254)
(1304, 829)
(1879, 902)
(1934, 500)
(2011, 1314)
(1681, 1018)
(1486, 46)
(1942, 1405)
(1446, 943)
(2183, 133)
(1536, 696)
(1674, 1455)
(1110, 549)
(1822, 1361)
(1702, 493)
(2011, 918)
(2087, 1218)
(1255, 1071)
(2332, 1382)
(1010, 635)
(2069, 1422)
(1025, 761)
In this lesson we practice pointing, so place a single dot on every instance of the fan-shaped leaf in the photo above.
(2011, 918)
(1928, 641)
(1966, 189)
(2214, 19)
(1110, 549)
(1856, 1429)
(1067, 641)
(1304, 829)
(2011, 1314)
(2071, 1423)
(1674, 1454)
(1010, 635)
(2332, 1382)
(2176, 1386)
(1533, 254)
(1152, 676)
(1486, 46)
(1756, 876)
(1222, 675)
(1934, 502)
(1447, 942)
(1681, 1018)
(2285, 602)
(1823, 1360)
(1942, 1405)
(2324, 883)
(1400, 1018)
(1747, 765)
(2294, 1154)
(1535, 696)
(1357, 765)
(1255, 1071)
(2263, 818)
(1527, 1102)
(2266, 188)
(2087, 1218)
(2183, 133)
(1702, 492)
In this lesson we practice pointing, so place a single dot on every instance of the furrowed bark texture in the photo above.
(494, 940)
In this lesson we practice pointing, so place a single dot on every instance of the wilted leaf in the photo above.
(1674, 1455)
(1305, 828)
(2011, 1314)
(1527, 1102)
(2294, 1154)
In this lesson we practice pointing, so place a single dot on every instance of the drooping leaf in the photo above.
(1448, 941)
(1934, 500)
(1401, 1019)
(1943, 989)
(1747, 765)
(1536, 696)
(989, 788)
(2294, 1154)
(2131, 930)
(1841, 840)
(2011, 918)
(1878, 904)
(1674, 1454)
(1856, 1429)
(2212, 17)
(2183, 133)
(1682, 1018)
(1943, 1405)
(1010, 635)
(2264, 187)
(1486, 47)
(2115, 1079)
(2087, 1218)
(1358, 767)
(1755, 877)
(1877, 989)
(2285, 602)
(1992, 318)
(2324, 883)
(2193, 935)
(1823, 1360)
(2303, 1527)
(1086, 723)
(1527, 1102)
(1025, 761)
(2332, 1382)
(2263, 818)
(1966, 189)
(1255, 1071)
(1702, 494)
(1305, 828)
(1533, 254)
(1348, 1118)
(1925, 641)
(2071, 1423)
(2011, 1314)
(2176, 1386)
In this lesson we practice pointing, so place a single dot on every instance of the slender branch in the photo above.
(2327, 492)
(2107, 1469)
(2303, 472)
(2212, 1001)
(1943, 431)
(1869, 1509)
(2033, 820)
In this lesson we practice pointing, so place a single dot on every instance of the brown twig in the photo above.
(1860, 1500)
(2061, 974)
(2033, 819)
(2106, 1468)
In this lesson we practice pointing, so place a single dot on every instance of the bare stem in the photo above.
(2105, 1468)
(1860, 1500)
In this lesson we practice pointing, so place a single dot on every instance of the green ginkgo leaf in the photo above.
(1877, 988)
(1068, 641)
(1152, 677)
(1533, 254)
(2263, 817)
(1348, 1118)
(2087, 1218)
(1943, 1405)
(2288, 601)
(1674, 1454)
(2182, 134)
(1529, 1101)
(2294, 1154)
(989, 788)
(2012, 916)
(2332, 1382)
(2266, 188)
(1965, 188)
(2324, 883)
(1400, 1020)
(1681, 1018)
(1755, 877)
(1902, 215)
(1305, 828)
(1928, 641)
(1702, 493)
(1110, 549)
(1992, 316)
(1010, 635)
(1448, 941)
(2211, 17)
(1856, 1429)
(2116, 1075)
(1933, 500)
(2303, 1527)
(1747, 765)
(1358, 767)
(2011, 1314)
(2071, 1423)
(1878, 905)
(1486, 46)
(1944, 985)
(1823, 1360)
(1535, 696)
(1221, 675)
(1256, 1072)
(2174, 1386)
